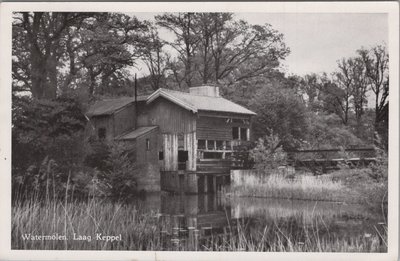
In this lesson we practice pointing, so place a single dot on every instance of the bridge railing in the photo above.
(331, 158)
(331, 153)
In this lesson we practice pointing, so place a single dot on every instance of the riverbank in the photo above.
(348, 186)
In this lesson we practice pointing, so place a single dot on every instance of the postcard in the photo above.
(199, 130)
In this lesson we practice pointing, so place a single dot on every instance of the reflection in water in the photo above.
(196, 222)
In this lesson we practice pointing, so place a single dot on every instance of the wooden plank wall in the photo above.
(173, 121)
(209, 128)
(144, 155)
(190, 144)
(170, 148)
(217, 128)
(142, 117)
(170, 117)
(124, 120)
(104, 122)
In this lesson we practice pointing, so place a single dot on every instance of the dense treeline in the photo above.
(64, 61)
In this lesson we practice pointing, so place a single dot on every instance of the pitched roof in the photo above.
(136, 133)
(109, 106)
(194, 102)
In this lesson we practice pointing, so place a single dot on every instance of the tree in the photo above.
(376, 62)
(186, 39)
(214, 47)
(38, 40)
(53, 52)
(110, 43)
(326, 131)
(244, 51)
(360, 88)
(156, 60)
(343, 78)
(47, 140)
(311, 86)
(268, 154)
(282, 111)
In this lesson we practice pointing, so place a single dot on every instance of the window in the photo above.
(243, 133)
(201, 145)
(235, 133)
(101, 133)
(147, 144)
(181, 141)
(183, 156)
(219, 145)
(239, 133)
(161, 155)
(210, 144)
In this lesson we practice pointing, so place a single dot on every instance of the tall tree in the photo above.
(153, 55)
(376, 62)
(56, 51)
(214, 47)
(109, 44)
(281, 111)
(360, 88)
(344, 80)
(186, 39)
(38, 47)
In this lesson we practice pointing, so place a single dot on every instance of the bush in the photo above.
(268, 154)
(114, 172)
(379, 169)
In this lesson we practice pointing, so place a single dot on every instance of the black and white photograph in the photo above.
(190, 129)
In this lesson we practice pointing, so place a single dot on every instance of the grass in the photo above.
(281, 238)
(350, 186)
(141, 230)
(83, 218)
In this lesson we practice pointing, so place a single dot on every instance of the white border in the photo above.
(6, 9)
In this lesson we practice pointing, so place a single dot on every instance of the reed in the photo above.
(303, 187)
(142, 230)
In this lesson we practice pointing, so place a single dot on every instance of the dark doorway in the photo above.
(183, 156)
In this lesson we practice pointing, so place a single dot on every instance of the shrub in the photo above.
(268, 154)
(379, 169)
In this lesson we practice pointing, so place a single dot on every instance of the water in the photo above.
(212, 222)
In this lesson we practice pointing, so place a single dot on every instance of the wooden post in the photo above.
(205, 184)
(214, 178)
(248, 134)
(206, 203)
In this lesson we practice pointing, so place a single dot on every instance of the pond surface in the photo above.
(215, 222)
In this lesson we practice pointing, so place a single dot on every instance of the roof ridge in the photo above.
(192, 94)
(121, 97)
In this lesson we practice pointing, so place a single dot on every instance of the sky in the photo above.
(317, 40)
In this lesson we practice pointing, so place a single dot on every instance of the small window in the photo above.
(101, 133)
(243, 133)
(235, 133)
(161, 155)
(210, 144)
(201, 145)
(220, 145)
(228, 145)
(147, 144)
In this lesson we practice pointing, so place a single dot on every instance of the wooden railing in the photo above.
(216, 166)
